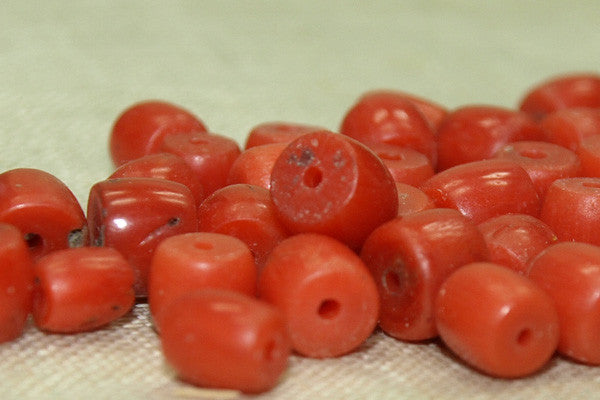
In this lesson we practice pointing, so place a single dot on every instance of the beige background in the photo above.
(68, 68)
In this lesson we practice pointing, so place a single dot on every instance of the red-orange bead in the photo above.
(140, 129)
(16, 283)
(223, 339)
(327, 183)
(514, 239)
(191, 261)
(496, 320)
(571, 209)
(474, 133)
(544, 162)
(81, 289)
(405, 164)
(246, 212)
(254, 165)
(162, 166)
(484, 189)
(570, 273)
(278, 132)
(568, 127)
(589, 155)
(562, 92)
(409, 258)
(133, 215)
(325, 293)
(386, 117)
(43, 208)
(210, 156)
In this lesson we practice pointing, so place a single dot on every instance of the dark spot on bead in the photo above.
(304, 159)
(76, 237)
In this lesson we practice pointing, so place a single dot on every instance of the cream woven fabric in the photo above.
(68, 68)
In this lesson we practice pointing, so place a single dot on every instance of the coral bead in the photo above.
(246, 212)
(134, 215)
(386, 117)
(277, 132)
(190, 261)
(409, 258)
(325, 293)
(140, 129)
(474, 133)
(16, 283)
(571, 209)
(162, 166)
(81, 289)
(570, 273)
(544, 162)
(43, 208)
(210, 156)
(484, 189)
(217, 338)
(511, 331)
(327, 183)
(562, 92)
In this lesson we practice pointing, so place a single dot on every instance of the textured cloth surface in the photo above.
(68, 68)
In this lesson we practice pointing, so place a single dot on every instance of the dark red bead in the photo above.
(134, 215)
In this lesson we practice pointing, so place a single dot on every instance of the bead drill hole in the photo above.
(312, 177)
(524, 337)
(533, 153)
(329, 309)
(391, 281)
(33, 240)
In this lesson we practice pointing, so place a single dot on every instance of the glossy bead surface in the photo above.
(412, 199)
(409, 258)
(277, 132)
(325, 293)
(81, 289)
(162, 166)
(473, 133)
(496, 320)
(560, 92)
(568, 127)
(385, 117)
(326, 183)
(570, 273)
(140, 129)
(514, 239)
(16, 283)
(544, 162)
(133, 215)
(405, 164)
(484, 189)
(246, 212)
(187, 262)
(254, 165)
(572, 209)
(210, 156)
(222, 339)
(43, 208)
